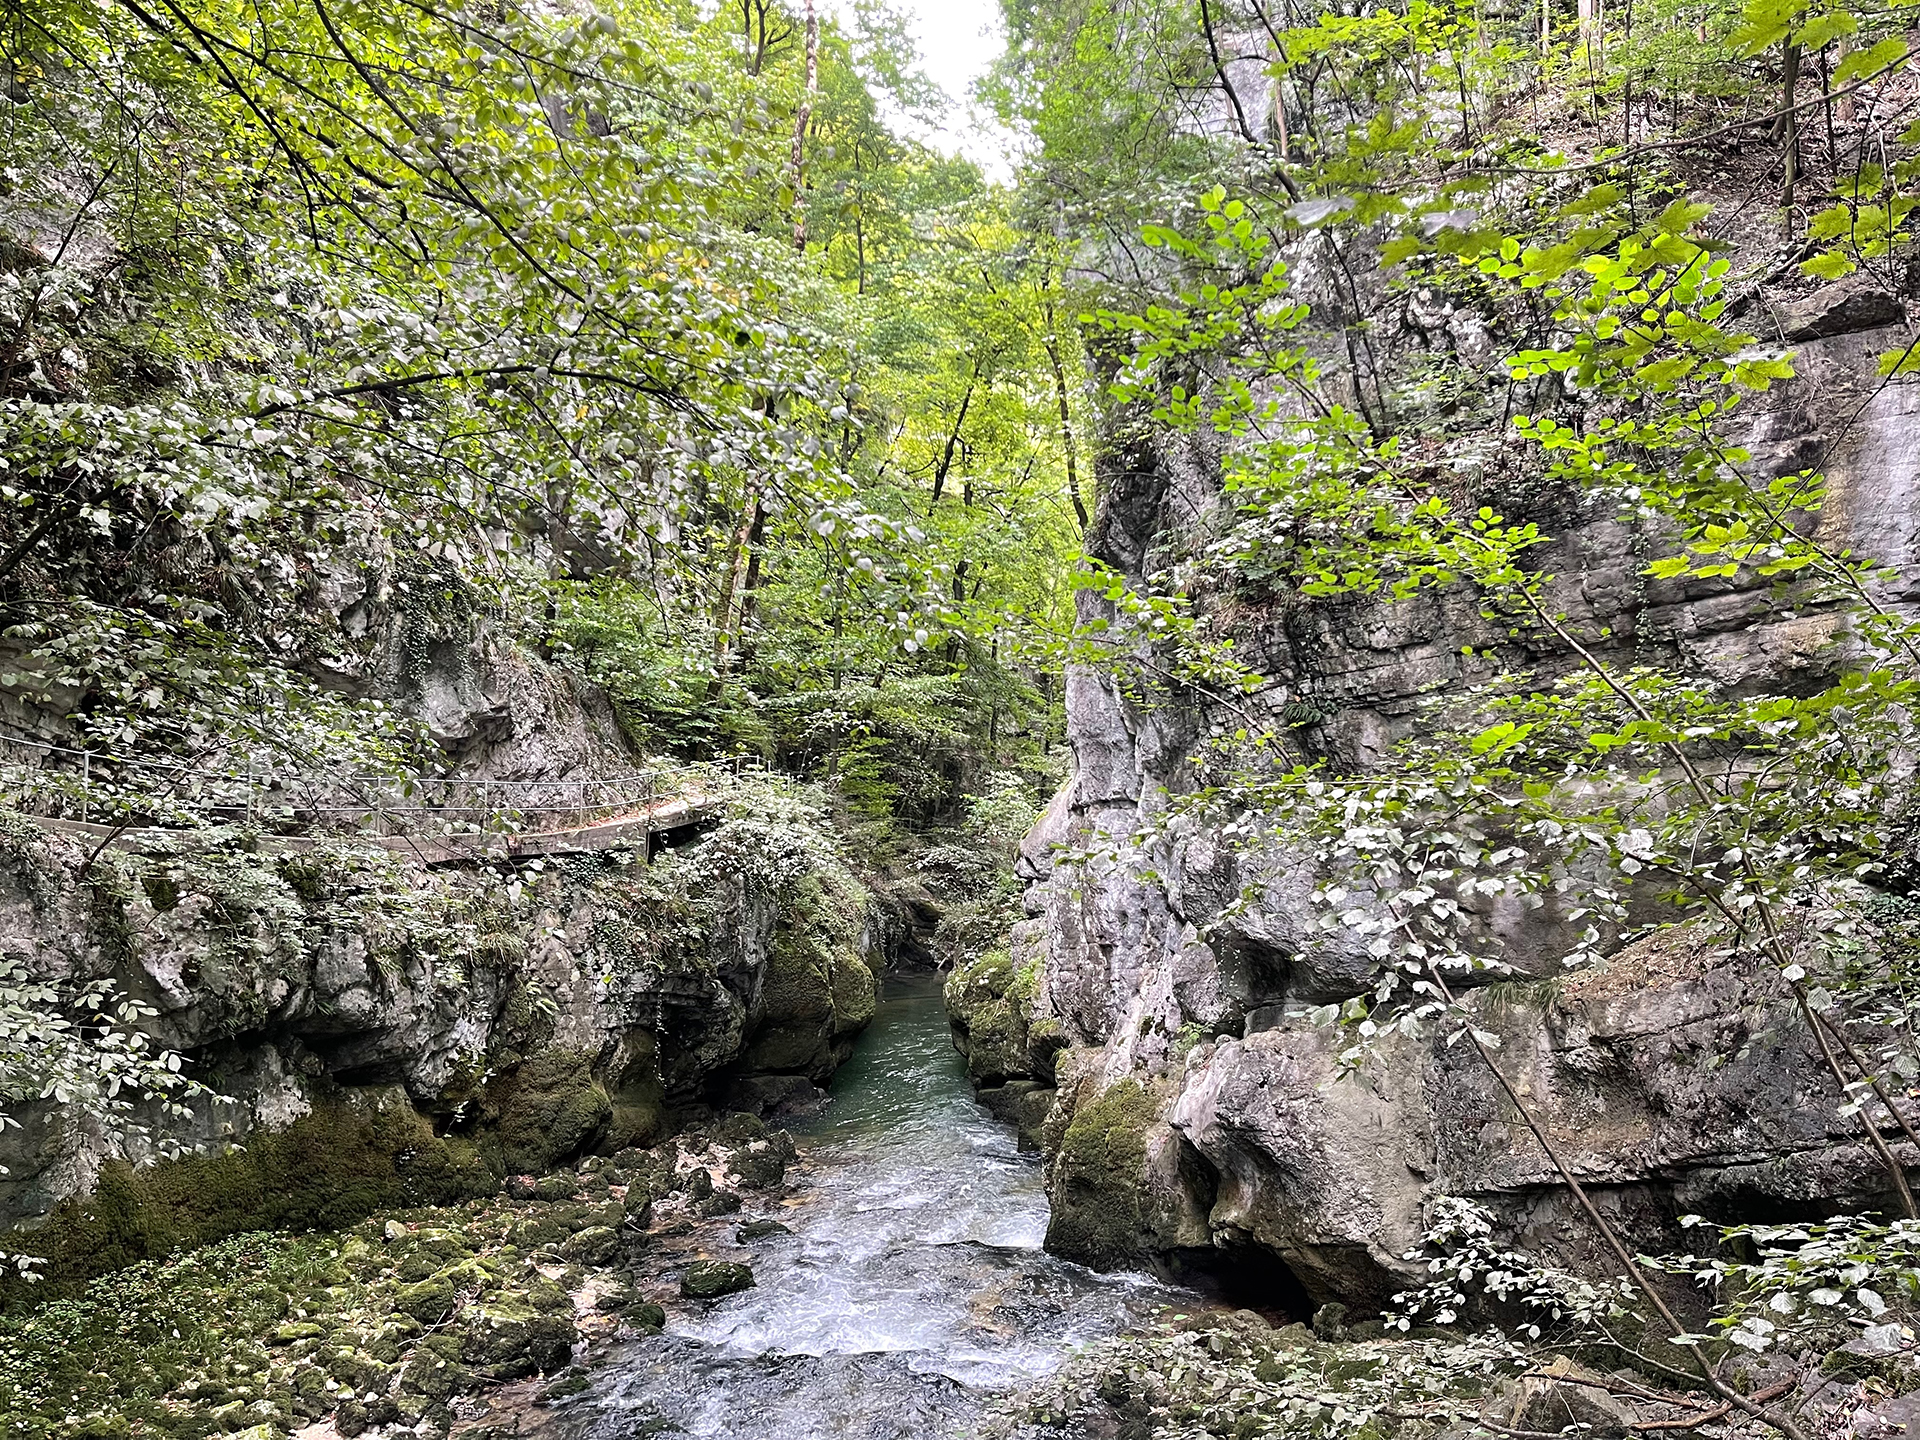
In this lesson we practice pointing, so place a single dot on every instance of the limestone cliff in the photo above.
(375, 1031)
(1197, 1114)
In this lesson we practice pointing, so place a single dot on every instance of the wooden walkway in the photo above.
(636, 829)
(472, 819)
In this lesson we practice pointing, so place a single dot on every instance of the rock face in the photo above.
(1194, 1108)
(1009, 1050)
(375, 1033)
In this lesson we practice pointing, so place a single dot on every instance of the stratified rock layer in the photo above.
(1195, 1107)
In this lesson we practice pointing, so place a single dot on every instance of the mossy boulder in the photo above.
(1023, 1104)
(989, 1023)
(710, 1279)
(636, 1093)
(354, 1154)
(613, 1297)
(819, 993)
(609, 1212)
(540, 1230)
(429, 1302)
(596, 1245)
(506, 1340)
(1097, 1180)
(551, 1108)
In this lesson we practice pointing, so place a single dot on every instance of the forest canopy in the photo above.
(643, 332)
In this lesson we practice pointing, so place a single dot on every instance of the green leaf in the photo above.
(1869, 61)
(1828, 265)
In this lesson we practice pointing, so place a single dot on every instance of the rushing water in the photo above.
(913, 1287)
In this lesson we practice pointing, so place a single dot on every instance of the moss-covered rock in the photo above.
(637, 1094)
(595, 1245)
(429, 1302)
(505, 1341)
(362, 1152)
(1096, 1181)
(1011, 1050)
(551, 1108)
(819, 993)
(1023, 1104)
(710, 1279)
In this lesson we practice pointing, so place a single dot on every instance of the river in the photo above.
(912, 1290)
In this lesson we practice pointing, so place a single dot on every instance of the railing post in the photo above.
(86, 786)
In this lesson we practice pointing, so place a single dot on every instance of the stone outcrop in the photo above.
(1195, 1107)
(1009, 1050)
(376, 1033)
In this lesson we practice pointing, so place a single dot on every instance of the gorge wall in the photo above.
(375, 1031)
(1152, 1040)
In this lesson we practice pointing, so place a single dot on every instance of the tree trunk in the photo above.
(800, 123)
(723, 602)
(953, 440)
(1786, 126)
(1593, 44)
(1066, 420)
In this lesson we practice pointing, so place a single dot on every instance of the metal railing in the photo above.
(65, 782)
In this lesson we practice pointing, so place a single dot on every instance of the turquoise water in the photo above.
(913, 1289)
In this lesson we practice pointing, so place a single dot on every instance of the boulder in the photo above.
(758, 1166)
(505, 1341)
(1560, 1395)
(428, 1302)
(759, 1230)
(710, 1279)
(1842, 308)
(596, 1245)
(552, 1108)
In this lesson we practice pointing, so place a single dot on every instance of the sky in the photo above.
(959, 40)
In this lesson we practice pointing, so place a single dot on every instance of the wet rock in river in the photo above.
(637, 1213)
(740, 1128)
(758, 1166)
(760, 1230)
(613, 1296)
(710, 1279)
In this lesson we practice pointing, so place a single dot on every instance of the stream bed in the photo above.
(912, 1290)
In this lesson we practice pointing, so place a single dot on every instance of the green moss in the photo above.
(326, 1170)
(818, 993)
(1096, 1184)
(639, 1097)
(551, 1108)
